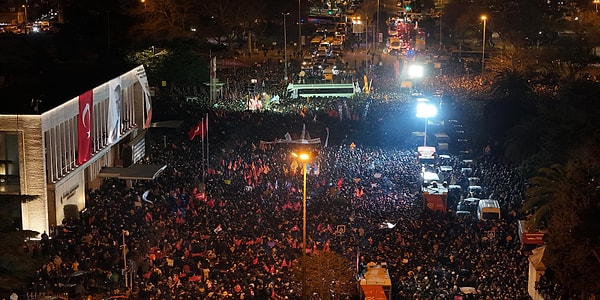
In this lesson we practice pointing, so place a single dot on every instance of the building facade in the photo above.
(49, 160)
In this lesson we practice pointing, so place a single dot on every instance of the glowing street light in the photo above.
(426, 110)
(596, 2)
(25, 17)
(415, 71)
(303, 157)
(484, 18)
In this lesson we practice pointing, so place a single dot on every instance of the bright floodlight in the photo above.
(426, 110)
(415, 71)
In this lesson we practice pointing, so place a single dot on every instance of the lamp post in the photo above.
(285, 76)
(376, 27)
(441, 13)
(426, 110)
(367, 44)
(125, 233)
(299, 30)
(304, 157)
(484, 18)
(25, 21)
(596, 2)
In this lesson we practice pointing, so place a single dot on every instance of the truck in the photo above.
(375, 282)
(530, 239)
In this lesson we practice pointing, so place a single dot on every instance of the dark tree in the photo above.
(163, 21)
(519, 22)
(328, 275)
(572, 192)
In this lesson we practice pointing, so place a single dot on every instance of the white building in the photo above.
(53, 157)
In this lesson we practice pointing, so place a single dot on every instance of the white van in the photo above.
(488, 209)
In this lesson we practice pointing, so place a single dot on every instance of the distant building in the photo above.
(11, 12)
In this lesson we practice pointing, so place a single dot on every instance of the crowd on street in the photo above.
(241, 239)
(244, 236)
(230, 227)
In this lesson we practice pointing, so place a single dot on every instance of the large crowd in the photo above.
(230, 227)
(240, 241)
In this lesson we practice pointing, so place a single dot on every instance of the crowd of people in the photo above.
(244, 236)
(241, 239)
(230, 226)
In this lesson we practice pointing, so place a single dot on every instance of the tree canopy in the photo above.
(328, 275)
(568, 196)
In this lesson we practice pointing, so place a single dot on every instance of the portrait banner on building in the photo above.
(140, 72)
(84, 127)
(114, 110)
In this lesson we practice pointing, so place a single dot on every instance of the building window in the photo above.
(9, 163)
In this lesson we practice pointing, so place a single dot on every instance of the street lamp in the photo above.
(596, 2)
(303, 157)
(25, 10)
(484, 18)
(426, 110)
(415, 72)
(125, 233)
(376, 26)
(285, 76)
(299, 30)
(441, 13)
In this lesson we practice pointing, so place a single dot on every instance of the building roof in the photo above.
(134, 172)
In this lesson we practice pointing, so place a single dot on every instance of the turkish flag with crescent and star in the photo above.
(197, 130)
(84, 127)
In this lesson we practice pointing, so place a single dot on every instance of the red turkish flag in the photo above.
(196, 130)
(84, 127)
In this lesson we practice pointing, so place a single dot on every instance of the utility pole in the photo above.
(285, 68)
(299, 29)
(441, 13)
